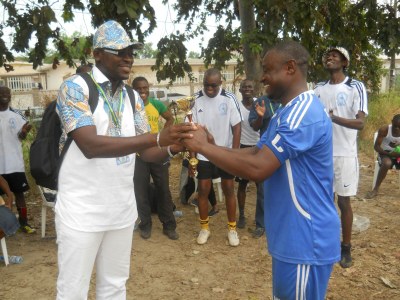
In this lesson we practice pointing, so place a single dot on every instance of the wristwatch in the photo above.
(193, 162)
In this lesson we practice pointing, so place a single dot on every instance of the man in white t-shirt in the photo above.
(96, 205)
(345, 99)
(217, 110)
(248, 138)
(14, 128)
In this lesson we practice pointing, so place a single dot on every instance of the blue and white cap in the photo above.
(112, 35)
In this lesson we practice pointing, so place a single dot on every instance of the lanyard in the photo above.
(272, 109)
(113, 114)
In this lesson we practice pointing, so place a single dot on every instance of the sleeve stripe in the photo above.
(362, 94)
(233, 97)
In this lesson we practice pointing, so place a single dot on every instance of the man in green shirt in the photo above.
(158, 171)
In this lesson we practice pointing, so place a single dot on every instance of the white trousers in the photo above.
(79, 251)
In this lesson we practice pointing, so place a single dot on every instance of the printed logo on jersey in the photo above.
(275, 142)
(341, 99)
(200, 110)
(12, 123)
(223, 109)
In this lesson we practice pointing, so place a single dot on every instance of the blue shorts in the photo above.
(296, 281)
(8, 222)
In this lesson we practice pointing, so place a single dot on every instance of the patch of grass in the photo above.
(381, 109)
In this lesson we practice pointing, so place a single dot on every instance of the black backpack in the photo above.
(45, 158)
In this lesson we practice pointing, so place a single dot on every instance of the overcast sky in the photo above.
(82, 23)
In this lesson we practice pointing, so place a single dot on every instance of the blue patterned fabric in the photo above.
(112, 35)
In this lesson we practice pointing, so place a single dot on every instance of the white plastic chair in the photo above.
(4, 250)
(217, 184)
(376, 169)
(45, 205)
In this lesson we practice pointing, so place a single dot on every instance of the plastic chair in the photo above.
(48, 197)
(376, 169)
(217, 184)
(4, 250)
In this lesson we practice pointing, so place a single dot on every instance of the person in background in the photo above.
(385, 145)
(248, 138)
(345, 100)
(294, 157)
(13, 129)
(96, 206)
(157, 170)
(218, 110)
(260, 115)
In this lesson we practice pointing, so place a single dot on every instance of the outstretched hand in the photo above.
(260, 109)
(176, 133)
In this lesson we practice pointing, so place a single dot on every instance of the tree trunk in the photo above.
(392, 72)
(252, 61)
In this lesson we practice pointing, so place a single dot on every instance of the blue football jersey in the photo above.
(301, 220)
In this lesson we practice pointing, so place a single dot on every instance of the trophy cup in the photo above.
(185, 105)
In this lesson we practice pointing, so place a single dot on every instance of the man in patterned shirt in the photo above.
(96, 206)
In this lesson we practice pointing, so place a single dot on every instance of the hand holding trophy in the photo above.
(185, 105)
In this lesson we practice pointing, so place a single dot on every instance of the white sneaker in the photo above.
(233, 238)
(203, 236)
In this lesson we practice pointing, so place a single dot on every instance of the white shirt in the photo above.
(98, 194)
(11, 158)
(345, 99)
(218, 114)
(249, 136)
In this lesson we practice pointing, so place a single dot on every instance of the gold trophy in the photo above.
(186, 104)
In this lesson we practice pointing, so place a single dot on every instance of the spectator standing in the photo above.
(248, 138)
(260, 115)
(157, 170)
(385, 145)
(294, 157)
(218, 110)
(13, 129)
(96, 206)
(345, 99)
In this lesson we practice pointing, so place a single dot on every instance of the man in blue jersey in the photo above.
(295, 158)
(346, 101)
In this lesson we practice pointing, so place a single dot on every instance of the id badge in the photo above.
(122, 160)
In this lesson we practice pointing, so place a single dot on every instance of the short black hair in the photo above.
(244, 80)
(396, 118)
(138, 79)
(294, 50)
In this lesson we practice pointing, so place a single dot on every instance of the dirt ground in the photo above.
(165, 269)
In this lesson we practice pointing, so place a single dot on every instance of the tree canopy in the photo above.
(365, 27)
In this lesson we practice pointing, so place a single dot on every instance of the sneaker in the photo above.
(171, 234)
(203, 236)
(242, 222)
(27, 229)
(258, 232)
(371, 195)
(346, 260)
(195, 202)
(233, 238)
(145, 233)
(213, 212)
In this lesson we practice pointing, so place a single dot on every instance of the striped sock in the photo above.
(204, 223)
